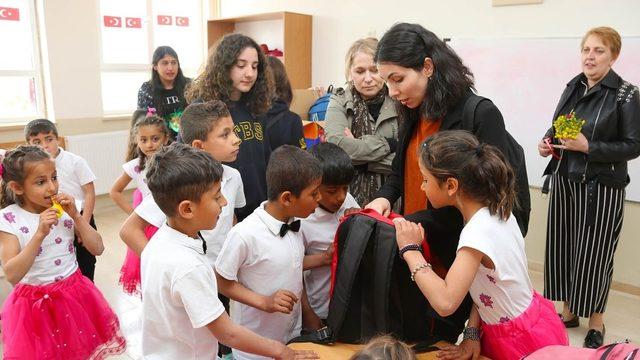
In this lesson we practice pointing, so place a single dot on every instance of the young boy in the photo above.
(182, 317)
(319, 229)
(206, 126)
(260, 264)
(75, 178)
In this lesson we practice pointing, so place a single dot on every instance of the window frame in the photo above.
(36, 73)
(148, 23)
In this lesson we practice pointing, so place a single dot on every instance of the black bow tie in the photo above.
(294, 226)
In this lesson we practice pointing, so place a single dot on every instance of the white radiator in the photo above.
(105, 152)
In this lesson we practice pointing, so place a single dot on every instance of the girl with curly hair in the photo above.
(237, 73)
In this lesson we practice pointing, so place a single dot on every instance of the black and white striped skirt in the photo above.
(583, 229)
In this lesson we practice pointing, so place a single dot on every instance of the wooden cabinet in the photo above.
(292, 30)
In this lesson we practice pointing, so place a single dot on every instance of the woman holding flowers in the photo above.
(596, 131)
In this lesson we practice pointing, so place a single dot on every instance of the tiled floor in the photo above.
(622, 317)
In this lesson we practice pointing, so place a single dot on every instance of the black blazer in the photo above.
(488, 126)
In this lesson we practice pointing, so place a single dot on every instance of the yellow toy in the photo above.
(57, 207)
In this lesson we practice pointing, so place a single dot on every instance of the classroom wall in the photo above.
(337, 23)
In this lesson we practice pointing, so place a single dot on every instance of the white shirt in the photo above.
(56, 259)
(139, 176)
(318, 232)
(504, 293)
(231, 188)
(73, 173)
(179, 298)
(257, 257)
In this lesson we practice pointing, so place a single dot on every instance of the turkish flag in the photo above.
(133, 22)
(112, 21)
(7, 13)
(165, 20)
(182, 21)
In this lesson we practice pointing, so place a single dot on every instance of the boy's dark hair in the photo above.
(13, 169)
(199, 119)
(179, 172)
(337, 168)
(39, 126)
(291, 169)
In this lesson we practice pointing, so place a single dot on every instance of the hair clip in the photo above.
(151, 111)
(1, 169)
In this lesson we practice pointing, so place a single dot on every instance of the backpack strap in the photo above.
(275, 119)
(343, 277)
(385, 254)
(469, 111)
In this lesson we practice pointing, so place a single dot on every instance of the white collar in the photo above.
(272, 223)
(177, 238)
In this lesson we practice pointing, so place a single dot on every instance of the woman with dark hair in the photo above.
(283, 125)
(431, 85)
(165, 90)
(237, 74)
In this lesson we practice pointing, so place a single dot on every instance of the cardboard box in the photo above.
(302, 101)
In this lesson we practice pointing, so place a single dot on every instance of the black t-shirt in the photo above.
(171, 108)
(252, 158)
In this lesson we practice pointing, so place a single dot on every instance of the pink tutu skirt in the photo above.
(537, 327)
(130, 270)
(68, 319)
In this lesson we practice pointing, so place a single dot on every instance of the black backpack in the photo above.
(515, 156)
(372, 292)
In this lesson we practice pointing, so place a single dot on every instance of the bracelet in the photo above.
(410, 247)
(418, 268)
(471, 333)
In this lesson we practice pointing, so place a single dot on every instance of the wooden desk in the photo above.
(340, 351)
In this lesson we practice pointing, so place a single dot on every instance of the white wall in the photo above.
(337, 23)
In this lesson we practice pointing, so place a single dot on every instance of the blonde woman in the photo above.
(361, 119)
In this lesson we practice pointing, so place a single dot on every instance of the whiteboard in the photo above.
(525, 78)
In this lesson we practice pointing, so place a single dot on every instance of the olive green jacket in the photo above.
(372, 150)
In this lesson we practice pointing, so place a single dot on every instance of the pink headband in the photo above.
(1, 169)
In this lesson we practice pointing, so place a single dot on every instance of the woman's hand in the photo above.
(468, 349)
(544, 149)
(580, 144)
(408, 233)
(348, 133)
(381, 205)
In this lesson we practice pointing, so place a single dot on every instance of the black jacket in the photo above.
(283, 126)
(488, 127)
(612, 113)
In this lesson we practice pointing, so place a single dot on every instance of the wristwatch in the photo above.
(471, 333)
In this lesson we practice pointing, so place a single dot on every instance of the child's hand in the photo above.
(468, 349)
(408, 232)
(288, 353)
(48, 218)
(327, 256)
(68, 204)
(281, 301)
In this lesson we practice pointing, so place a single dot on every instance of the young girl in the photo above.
(150, 133)
(53, 311)
(237, 74)
(509, 319)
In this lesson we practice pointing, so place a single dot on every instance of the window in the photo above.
(21, 90)
(131, 30)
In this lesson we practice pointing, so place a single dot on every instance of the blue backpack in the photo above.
(318, 110)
